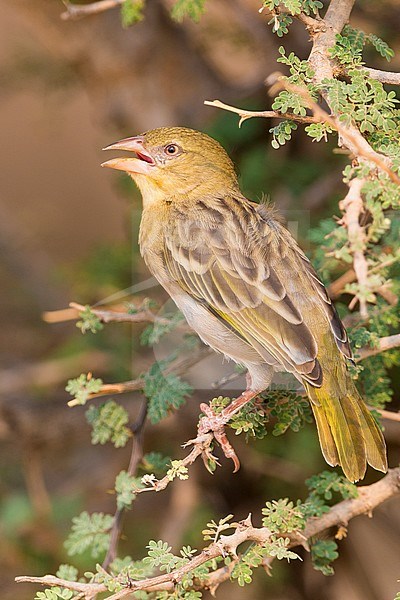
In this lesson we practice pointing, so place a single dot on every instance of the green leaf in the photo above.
(126, 487)
(165, 392)
(132, 12)
(89, 321)
(177, 469)
(89, 532)
(328, 482)
(188, 8)
(81, 388)
(154, 332)
(381, 47)
(281, 516)
(67, 572)
(109, 424)
(159, 555)
(155, 462)
(323, 553)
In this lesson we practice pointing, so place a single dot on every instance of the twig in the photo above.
(143, 315)
(385, 343)
(369, 497)
(352, 206)
(350, 136)
(389, 415)
(383, 76)
(78, 11)
(268, 114)
(136, 457)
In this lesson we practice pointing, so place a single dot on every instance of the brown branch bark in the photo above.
(352, 206)
(385, 343)
(79, 11)
(383, 76)
(369, 497)
(143, 315)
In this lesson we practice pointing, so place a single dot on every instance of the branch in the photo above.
(136, 457)
(143, 315)
(383, 76)
(352, 206)
(268, 114)
(79, 11)
(350, 136)
(385, 343)
(178, 367)
(369, 497)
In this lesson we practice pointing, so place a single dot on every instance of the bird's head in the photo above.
(173, 162)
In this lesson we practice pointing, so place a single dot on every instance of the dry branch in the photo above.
(369, 497)
(79, 11)
(352, 206)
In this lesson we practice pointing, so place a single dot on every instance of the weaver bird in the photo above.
(246, 288)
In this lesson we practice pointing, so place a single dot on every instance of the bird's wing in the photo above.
(238, 261)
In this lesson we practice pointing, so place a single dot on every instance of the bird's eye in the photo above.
(171, 149)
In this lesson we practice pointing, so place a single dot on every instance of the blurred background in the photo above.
(68, 231)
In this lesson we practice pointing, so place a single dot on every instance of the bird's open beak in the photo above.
(142, 163)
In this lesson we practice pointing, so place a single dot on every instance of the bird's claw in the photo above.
(216, 425)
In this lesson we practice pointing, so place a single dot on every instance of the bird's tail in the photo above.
(348, 434)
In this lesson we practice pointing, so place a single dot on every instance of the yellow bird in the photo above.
(245, 286)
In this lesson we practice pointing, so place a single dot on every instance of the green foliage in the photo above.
(109, 424)
(251, 420)
(281, 23)
(54, 593)
(311, 6)
(282, 516)
(318, 131)
(164, 392)
(351, 42)
(282, 133)
(300, 70)
(155, 462)
(282, 18)
(126, 487)
(290, 410)
(277, 547)
(81, 388)
(327, 483)
(67, 572)
(154, 332)
(132, 12)
(323, 553)
(188, 8)
(178, 470)
(89, 532)
(214, 529)
(89, 321)
(288, 101)
(159, 555)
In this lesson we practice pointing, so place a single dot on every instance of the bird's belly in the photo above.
(214, 333)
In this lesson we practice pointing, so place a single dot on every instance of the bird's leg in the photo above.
(216, 422)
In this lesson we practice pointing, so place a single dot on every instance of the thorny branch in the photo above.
(268, 114)
(369, 497)
(352, 207)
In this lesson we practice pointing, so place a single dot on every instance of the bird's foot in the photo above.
(215, 423)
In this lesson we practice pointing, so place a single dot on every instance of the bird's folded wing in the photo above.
(239, 262)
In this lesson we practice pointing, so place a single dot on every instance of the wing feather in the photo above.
(240, 263)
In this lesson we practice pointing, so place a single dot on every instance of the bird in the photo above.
(246, 288)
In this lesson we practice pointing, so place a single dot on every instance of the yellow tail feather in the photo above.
(348, 433)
